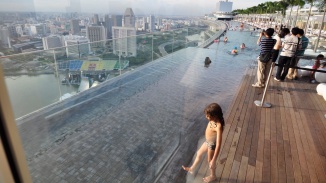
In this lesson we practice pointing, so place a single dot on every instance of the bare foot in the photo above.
(188, 169)
(209, 178)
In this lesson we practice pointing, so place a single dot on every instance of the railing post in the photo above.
(57, 73)
(262, 103)
(152, 47)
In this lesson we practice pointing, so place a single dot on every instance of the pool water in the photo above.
(127, 128)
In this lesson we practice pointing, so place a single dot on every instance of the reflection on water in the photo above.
(29, 93)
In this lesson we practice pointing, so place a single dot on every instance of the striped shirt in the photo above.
(266, 45)
(290, 46)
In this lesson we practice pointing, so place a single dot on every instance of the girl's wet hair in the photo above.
(214, 112)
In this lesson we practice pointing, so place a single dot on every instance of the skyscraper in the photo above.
(96, 34)
(76, 45)
(96, 20)
(51, 42)
(116, 20)
(74, 25)
(108, 26)
(124, 41)
(4, 35)
(129, 18)
(151, 23)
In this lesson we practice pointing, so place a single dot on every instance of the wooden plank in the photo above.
(230, 158)
(260, 150)
(234, 171)
(267, 161)
(250, 174)
(243, 170)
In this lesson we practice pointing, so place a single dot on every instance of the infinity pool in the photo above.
(127, 129)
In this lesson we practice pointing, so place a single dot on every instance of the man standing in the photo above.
(289, 48)
(303, 44)
(266, 43)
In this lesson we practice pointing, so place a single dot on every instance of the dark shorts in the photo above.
(211, 145)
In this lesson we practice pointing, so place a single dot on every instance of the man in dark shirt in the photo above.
(266, 43)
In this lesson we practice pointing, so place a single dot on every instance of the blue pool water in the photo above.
(126, 129)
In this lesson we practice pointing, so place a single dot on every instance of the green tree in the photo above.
(300, 4)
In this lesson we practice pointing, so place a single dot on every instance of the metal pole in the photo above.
(57, 73)
(262, 103)
(152, 46)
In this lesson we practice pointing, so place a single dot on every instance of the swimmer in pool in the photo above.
(226, 39)
(242, 46)
(234, 51)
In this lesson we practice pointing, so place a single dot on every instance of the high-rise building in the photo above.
(124, 41)
(12, 31)
(224, 6)
(19, 30)
(74, 25)
(5, 36)
(151, 23)
(96, 34)
(129, 18)
(108, 26)
(96, 20)
(76, 45)
(52, 41)
(37, 29)
(159, 21)
(116, 20)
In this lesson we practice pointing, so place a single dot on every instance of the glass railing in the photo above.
(63, 96)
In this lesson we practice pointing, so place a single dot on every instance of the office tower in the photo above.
(19, 30)
(224, 6)
(96, 20)
(151, 23)
(37, 29)
(96, 34)
(73, 9)
(76, 45)
(52, 41)
(159, 21)
(12, 31)
(108, 26)
(5, 36)
(53, 29)
(74, 25)
(129, 18)
(124, 41)
(116, 20)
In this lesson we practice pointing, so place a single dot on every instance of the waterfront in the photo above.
(30, 93)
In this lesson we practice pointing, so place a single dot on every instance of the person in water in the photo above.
(226, 39)
(243, 46)
(234, 51)
(207, 61)
(212, 145)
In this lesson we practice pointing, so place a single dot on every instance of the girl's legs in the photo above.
(212, 175)
(199, 156)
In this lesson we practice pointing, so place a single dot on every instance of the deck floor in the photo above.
(285, 143)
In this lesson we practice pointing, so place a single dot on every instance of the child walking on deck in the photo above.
(212, 145)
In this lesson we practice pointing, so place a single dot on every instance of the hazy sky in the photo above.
(156, 7)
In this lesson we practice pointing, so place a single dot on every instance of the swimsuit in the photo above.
(211, 145)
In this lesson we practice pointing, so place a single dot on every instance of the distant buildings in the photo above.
(52, 41)
(151, 23)
(76, 45)
(124, 41)
(224, 6)
(108, 26)
(96, 34)
(129, 18)
(74, 25)
(116, 20)
(96, 20)
(5, 36)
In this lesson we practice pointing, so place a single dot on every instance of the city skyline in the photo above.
(155, 7)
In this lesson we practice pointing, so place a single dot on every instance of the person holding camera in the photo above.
(266, 43)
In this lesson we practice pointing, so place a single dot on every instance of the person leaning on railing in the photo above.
(303, 44)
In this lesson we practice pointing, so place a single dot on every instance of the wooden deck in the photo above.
(285, 143)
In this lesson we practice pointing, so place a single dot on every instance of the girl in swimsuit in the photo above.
(212, 145)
